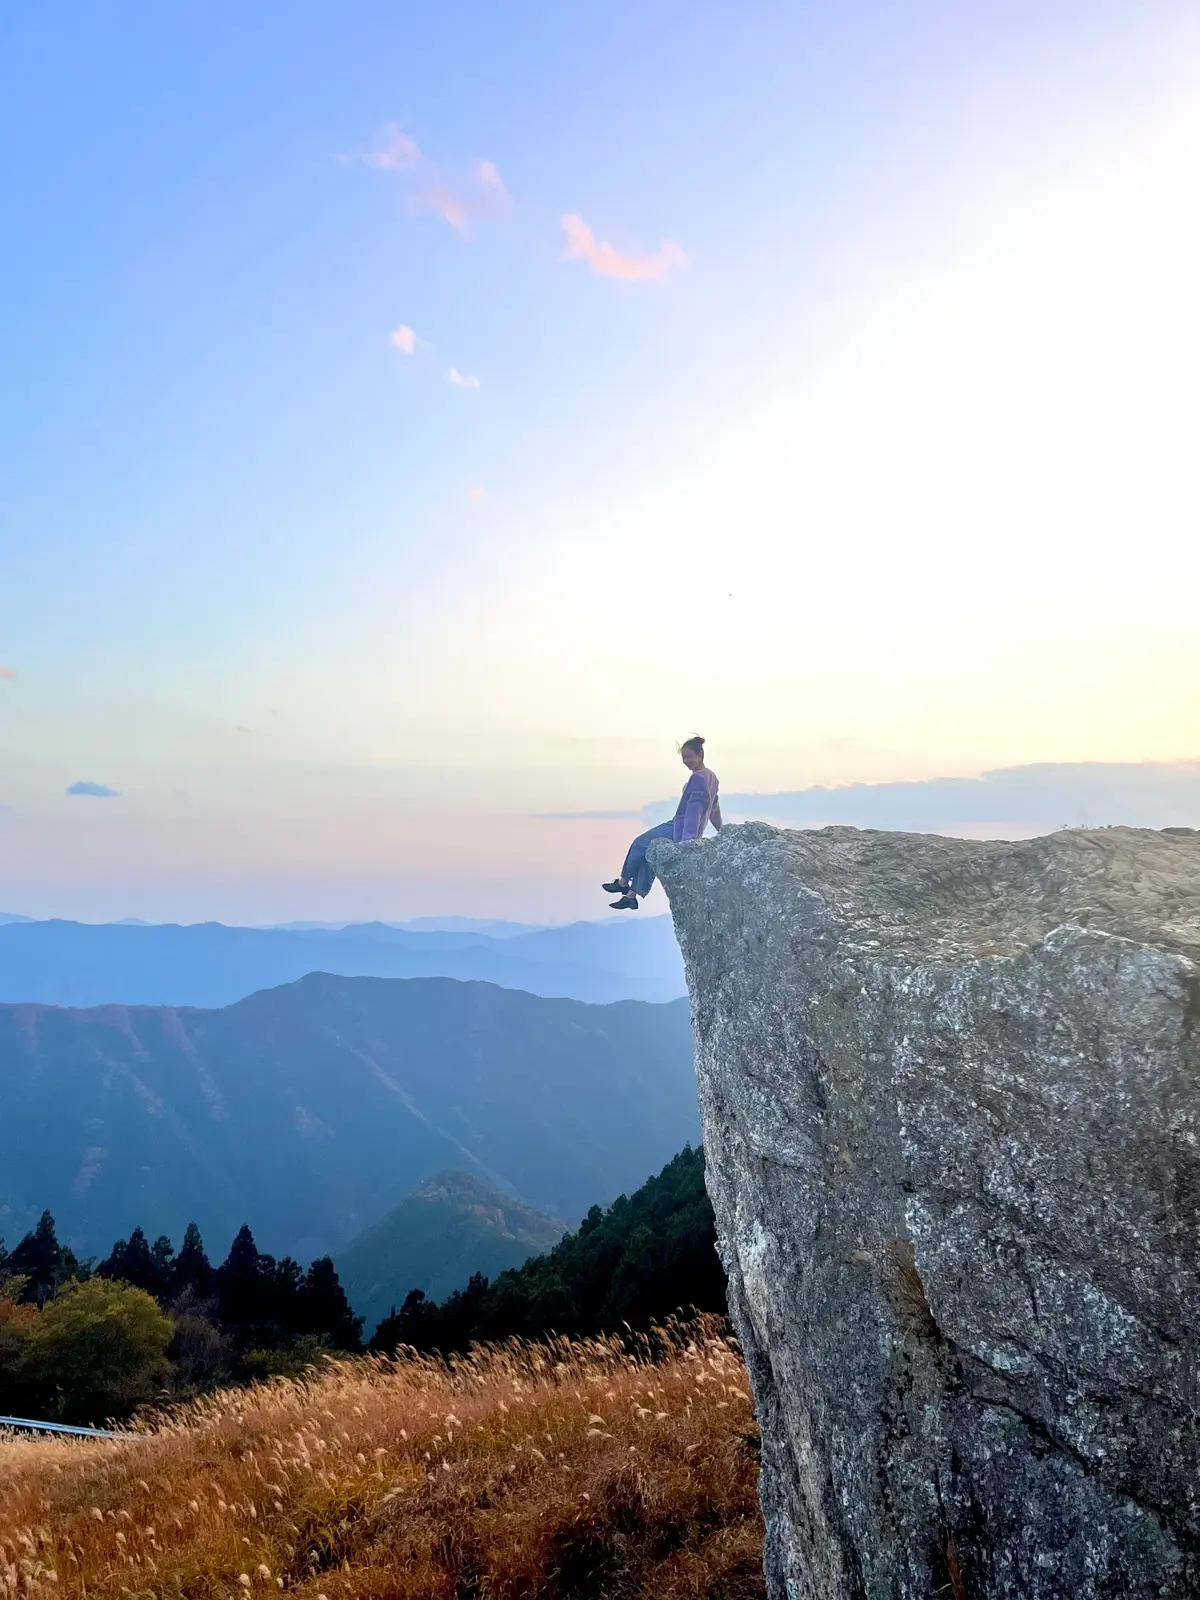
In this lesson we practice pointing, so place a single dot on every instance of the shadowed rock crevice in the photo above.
(951, 1103)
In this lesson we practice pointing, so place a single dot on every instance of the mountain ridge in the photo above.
(313, 1108)
(212, 964)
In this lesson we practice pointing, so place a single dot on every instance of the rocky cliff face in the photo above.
(951, 1104)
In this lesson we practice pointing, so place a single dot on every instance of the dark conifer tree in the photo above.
(42, 1262)
(132, 1261)
(191, 1268)
(285, 1294)
(327, 1312)
(240, 1281)
(163, 1252)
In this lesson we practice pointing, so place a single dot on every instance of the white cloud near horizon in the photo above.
(607, 261)
(463, 379)
(95, 791)
(1011, 801)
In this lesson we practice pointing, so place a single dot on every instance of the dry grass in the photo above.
(558, 1471)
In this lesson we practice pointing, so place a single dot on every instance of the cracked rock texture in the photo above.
(951, 1095)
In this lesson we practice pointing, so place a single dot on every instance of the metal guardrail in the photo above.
(54, 1427)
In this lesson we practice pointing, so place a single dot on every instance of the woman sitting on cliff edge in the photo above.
(698, 806)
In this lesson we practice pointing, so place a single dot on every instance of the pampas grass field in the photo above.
(570, 1469)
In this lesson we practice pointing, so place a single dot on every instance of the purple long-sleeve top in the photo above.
(698, 805)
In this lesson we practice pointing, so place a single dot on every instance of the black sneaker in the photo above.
(627, 902)
(617, 886)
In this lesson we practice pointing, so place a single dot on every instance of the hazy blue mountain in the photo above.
(12, 916)
(494, 927)
(449, 1228)
(490, 927)
(209, 964)
(311, 1110)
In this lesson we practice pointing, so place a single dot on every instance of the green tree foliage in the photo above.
(16, 1318)
(201, 1353)
(650, 1254)
(76, 1356)
(88, 1350)
(95, 1351)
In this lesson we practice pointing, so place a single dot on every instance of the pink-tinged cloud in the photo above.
(460, 201)
(395, 152)
(7, 674)
(444, 203)
(427, 190)
(608, 262)
(462, 379)
(404, 339)
(475, 494)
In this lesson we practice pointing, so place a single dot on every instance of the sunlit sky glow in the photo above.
(415, 424)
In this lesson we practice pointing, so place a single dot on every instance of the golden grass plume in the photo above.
(563, 1470)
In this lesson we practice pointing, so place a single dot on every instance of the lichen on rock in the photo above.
(951, 1105)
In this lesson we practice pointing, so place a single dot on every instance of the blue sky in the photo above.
(862, 446)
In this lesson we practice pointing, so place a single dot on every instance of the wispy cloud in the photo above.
(608, 262)
(7, 674)
(475, 494)
(489, 176)
(408, 341)
(461, 201)
(97, 791)
(445, 204)
(395, 152)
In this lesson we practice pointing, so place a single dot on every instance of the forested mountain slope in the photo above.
(312, 1109)
(435, 1240)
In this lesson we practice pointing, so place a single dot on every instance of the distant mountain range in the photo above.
(449, 1228)
(311, 1110)
(210, 964)
(492, 927)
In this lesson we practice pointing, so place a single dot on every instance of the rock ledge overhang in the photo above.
(951, 1104)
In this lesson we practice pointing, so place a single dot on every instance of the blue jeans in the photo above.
(637, 871)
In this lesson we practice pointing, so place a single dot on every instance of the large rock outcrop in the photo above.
(951, 1104)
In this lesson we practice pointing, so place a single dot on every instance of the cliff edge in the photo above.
(951, 1105)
